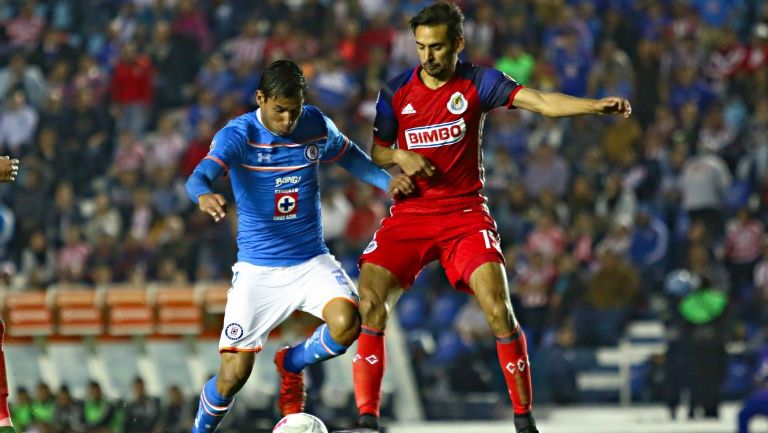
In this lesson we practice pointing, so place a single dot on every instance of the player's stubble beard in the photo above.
(441, 71)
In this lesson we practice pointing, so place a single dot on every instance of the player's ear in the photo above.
(260, 98)
(459, 44)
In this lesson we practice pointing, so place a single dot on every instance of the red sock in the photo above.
(513, 358)
(4, 411)
(368, 370)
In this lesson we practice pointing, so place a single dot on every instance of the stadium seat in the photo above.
(445, 309)
(215, 297)
(412, 310)
(449, 346)
(170, 360)
(70, 364)
(27, 314)
(120, 359)
(78, 312)
(23, 365)
(178, 312)
(130, 312)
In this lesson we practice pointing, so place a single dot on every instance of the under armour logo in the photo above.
(372, 359)
(264, 157)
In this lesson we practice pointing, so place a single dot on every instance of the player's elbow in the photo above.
(381, 156)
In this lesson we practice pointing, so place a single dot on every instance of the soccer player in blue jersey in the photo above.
(283, 265)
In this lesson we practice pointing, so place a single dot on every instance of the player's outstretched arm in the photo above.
(411, 163)
(9, 168)
(199, 190)
(561, 105)
(357, 163)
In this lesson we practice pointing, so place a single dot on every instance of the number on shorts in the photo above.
(488, 238)
(340, 277)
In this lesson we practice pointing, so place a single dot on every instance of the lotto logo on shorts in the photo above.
(233, 331)
(286, 204)
(443, 134)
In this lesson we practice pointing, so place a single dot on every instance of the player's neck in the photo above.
(436, 82)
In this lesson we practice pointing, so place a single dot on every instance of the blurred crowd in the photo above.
(110, 104)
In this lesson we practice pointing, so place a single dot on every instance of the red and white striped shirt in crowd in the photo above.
(549, 242)
(744, 241)
(535, 284)
(24, 32)
(249, 51)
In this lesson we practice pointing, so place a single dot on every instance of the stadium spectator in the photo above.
(142, 412)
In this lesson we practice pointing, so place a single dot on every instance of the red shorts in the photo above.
(461, 240)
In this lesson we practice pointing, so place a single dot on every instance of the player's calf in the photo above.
(218, 394)
(328, 341)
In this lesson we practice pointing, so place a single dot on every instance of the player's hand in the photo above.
(613, 105)
(214, 205)
(401, 186)
(413, 164)
(9, 168)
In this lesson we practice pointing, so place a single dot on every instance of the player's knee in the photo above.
(345, 328)
(500, 319)
(373, 312)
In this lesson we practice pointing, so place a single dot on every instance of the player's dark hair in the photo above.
(441, 12)
(283, 79)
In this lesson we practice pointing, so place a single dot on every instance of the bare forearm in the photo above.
(383, 156)
(561, 105)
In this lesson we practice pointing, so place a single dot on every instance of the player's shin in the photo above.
(317, 348)
(212, 408)
(513, 358)
(368, 370)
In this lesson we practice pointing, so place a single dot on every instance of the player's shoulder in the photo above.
(399, 81)
(312, 117)
(236, 129)
(478, 73)
(312, 112)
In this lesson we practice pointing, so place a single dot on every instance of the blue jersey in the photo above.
(274, 180)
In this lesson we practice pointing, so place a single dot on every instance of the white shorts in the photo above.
(262, 297)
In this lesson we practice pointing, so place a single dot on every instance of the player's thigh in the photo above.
(324, 281)
(401, 248)
(260, 299)
(468, 241)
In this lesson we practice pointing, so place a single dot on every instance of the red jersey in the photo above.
(445, 126)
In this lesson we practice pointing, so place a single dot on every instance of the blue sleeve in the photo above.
(495, 88)
(226, 147)
(225, 151)
(336, 143)
(200, 180)
(385, 123)
(359, 165)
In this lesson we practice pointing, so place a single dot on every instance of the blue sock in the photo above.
(317, 348)
(212, 408)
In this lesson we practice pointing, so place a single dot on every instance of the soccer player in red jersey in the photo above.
(9, 168)
(429, 123)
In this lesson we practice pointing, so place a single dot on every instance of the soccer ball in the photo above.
(300, 423)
